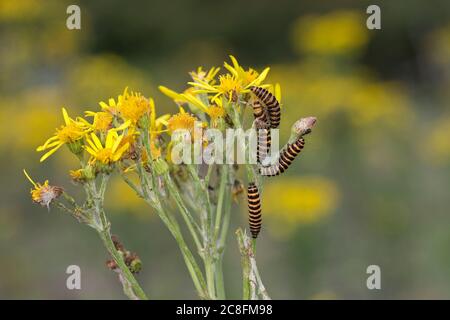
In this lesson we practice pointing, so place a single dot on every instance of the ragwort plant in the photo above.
(127, 138)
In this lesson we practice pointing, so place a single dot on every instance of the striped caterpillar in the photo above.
(288, 154)
(263, 140)
(271, 112)
(285, 159)
(266, 110)
(254, 209)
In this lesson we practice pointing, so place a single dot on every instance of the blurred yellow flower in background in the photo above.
(95, 77)
(289, 202)
(367, 102)
(19, 10)
(120, 198)
(439, 142)
(338, 32)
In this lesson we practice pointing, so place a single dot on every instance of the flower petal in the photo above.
(97, 141)
(66, 116)
(260, 78)
(48, 154)
(118, 154)
(29, 178)
(116, 142)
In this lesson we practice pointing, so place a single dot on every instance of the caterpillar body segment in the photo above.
(259, 111)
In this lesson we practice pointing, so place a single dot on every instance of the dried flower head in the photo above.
(304, 125)
(43, 194)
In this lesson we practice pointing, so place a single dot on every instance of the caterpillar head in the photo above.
(304, 126)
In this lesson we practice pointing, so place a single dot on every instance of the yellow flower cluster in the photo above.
(126, 128)
(125, 134)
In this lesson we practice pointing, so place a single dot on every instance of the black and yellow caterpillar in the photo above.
(254, 209)
(268, 100)
(263, 140)
(285, 159)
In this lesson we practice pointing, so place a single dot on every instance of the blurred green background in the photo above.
(372, 186)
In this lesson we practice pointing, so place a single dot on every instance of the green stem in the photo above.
(171, 224)
(190, 222)
(246, 269)
(194, 270)
(201, 189)
(210, 276)
(220, 288)
(225, 201)
(118, 259)
(103, 229)
(223, 182)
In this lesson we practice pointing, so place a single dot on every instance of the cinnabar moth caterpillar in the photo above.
(285, 159)
(263, 140)
(273, 106)
(254, 209)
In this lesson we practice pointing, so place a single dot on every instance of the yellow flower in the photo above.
(133, 106)
(111, 106)
(111, 152)
(188, 96)
(102, 120)
(201, 75)
(249, 77)
(231, 84)
(70, 132)
(181, 120)
(156, 124)
(216, 112)
(82, 175)
(43, 194)
(76, 175)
